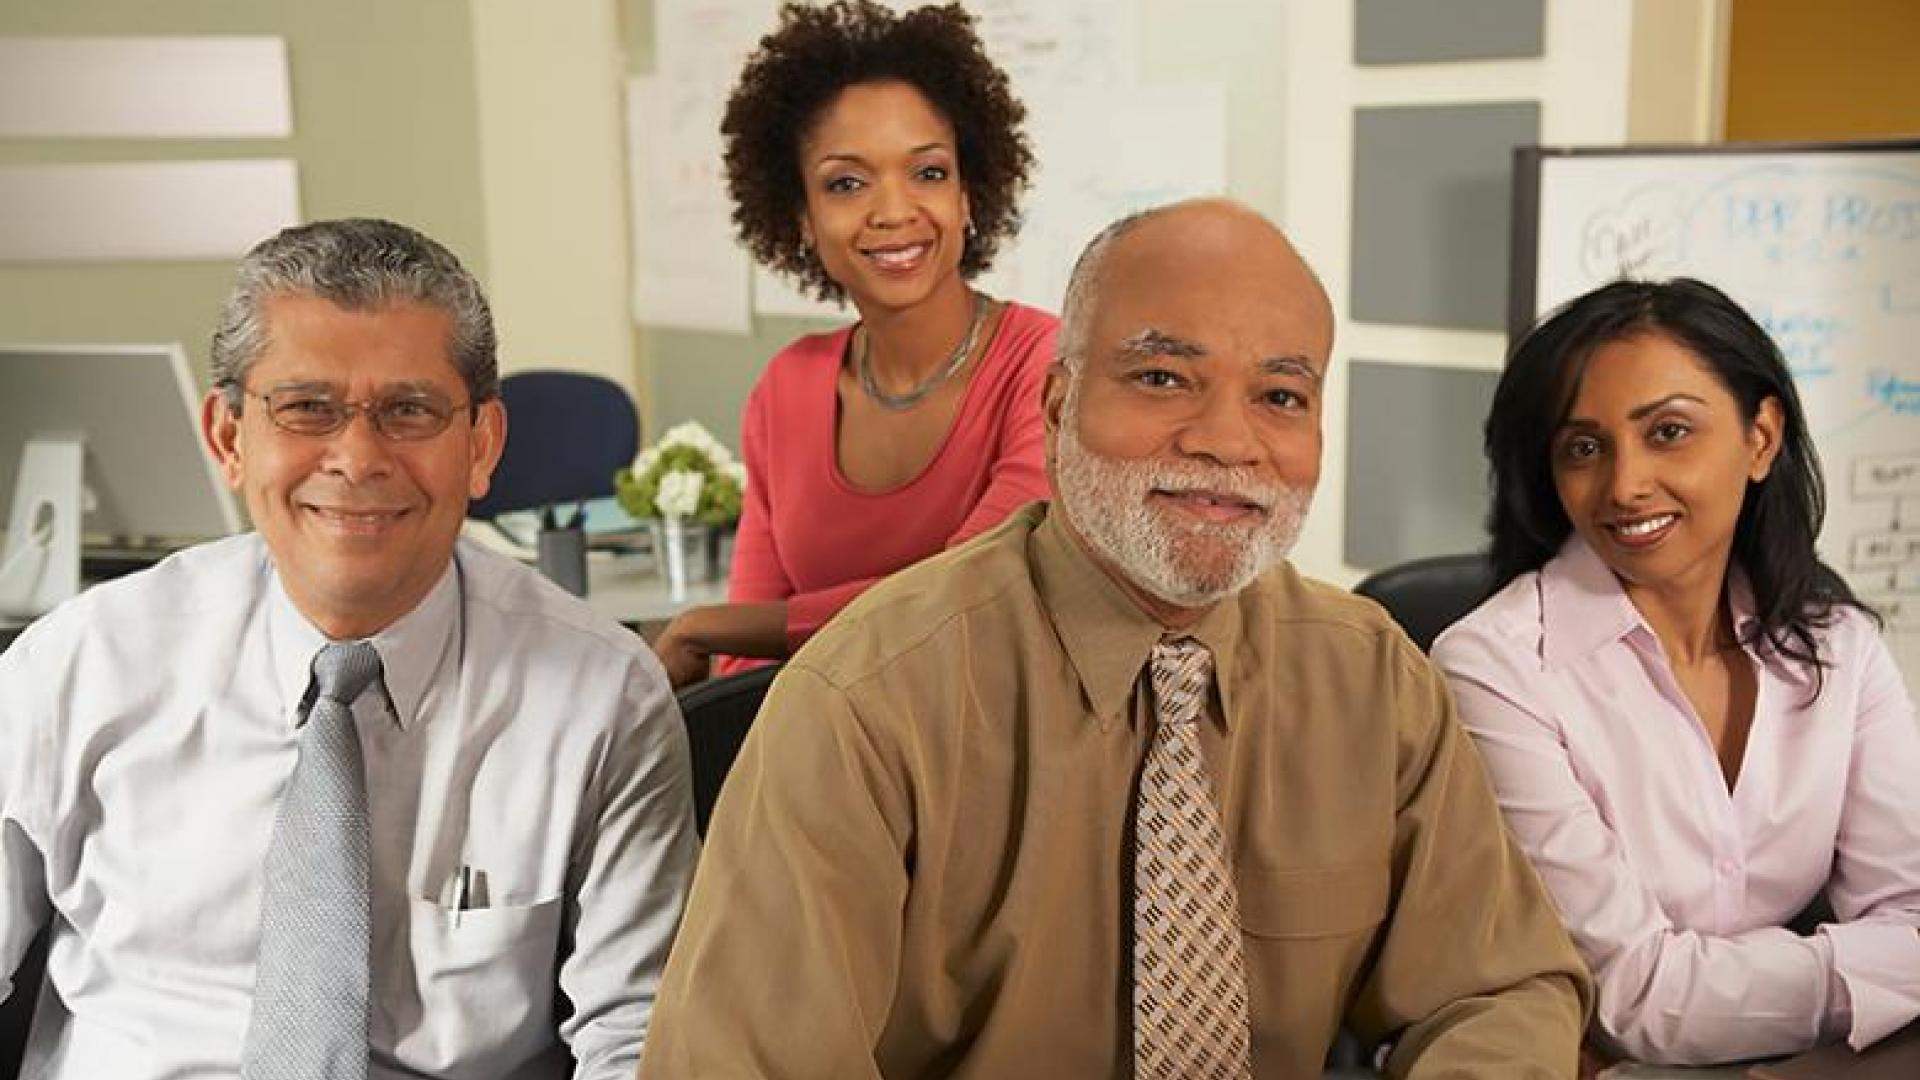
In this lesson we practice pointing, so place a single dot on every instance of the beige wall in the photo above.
(1676, 83)
(384, 124)
(548, 92)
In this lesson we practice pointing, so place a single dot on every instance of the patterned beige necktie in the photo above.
(1189, 974)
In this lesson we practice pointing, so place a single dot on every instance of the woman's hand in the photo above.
(686, 660)
(687, 645)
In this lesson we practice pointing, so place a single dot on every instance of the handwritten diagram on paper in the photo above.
(1823, 248)
(706, 41)
(688, 270)
(1061, 43)
(1102, 153)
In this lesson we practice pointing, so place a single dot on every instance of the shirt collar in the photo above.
(1583, 607)
(1746, 630)
(1107, 637)
(411, 649)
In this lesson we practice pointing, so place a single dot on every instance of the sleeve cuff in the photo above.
(1879, 965)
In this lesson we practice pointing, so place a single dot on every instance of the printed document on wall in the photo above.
(688, 270)
(1101, 153)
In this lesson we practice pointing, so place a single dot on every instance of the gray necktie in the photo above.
(310, 983)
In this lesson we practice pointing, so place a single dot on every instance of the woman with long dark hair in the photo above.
(1693, 726)
(875, 158)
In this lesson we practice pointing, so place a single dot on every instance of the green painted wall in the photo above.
(384, 124)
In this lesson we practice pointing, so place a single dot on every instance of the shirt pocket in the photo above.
(484, 983)
(1313, 902)
(516, 935)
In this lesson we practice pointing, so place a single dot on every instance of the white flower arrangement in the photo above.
(679, 494)
(686, 476)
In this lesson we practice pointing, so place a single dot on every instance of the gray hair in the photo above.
(1083, 288)
(361, 264)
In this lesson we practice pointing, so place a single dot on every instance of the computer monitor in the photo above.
(100, 442)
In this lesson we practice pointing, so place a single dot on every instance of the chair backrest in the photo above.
(718, 713)
(1426, 596)
(568, 432)
(16, 1013)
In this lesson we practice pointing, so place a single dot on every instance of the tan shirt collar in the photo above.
(1107, 637)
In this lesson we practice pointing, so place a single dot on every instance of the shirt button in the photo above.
(1728, 868)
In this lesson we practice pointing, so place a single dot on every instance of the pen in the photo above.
(462, 892)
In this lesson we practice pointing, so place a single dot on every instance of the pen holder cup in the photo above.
(562, 556)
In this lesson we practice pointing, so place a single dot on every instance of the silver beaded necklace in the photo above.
(863, 363)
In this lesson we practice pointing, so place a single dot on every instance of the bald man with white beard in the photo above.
(1113, 790)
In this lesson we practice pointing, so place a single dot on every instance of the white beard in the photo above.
(1183, 562)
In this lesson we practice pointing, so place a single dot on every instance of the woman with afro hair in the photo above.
(875, 158)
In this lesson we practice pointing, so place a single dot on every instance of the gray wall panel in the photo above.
(1431, 188)
(1423, 31)
(1416, 477)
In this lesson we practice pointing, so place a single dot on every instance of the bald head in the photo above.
(1184, 238)
(1183, 419)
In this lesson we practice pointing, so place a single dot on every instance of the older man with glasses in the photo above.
(343, 797)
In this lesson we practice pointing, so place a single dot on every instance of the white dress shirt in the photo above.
(1674, 888)
(148, 727)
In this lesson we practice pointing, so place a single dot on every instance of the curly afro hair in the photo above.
(814, 54)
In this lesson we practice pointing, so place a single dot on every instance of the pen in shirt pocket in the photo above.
(462, 888)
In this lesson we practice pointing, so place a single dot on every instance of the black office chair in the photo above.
(567, 434)
(1426, 596)
(718, 713)
(16, 1013)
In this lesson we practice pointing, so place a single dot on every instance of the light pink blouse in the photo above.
(1674, 889)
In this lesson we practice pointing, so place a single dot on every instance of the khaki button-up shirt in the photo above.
(921, 864)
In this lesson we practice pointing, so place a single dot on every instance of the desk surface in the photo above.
(628, 589)
(624, 588)
(1896, 1056)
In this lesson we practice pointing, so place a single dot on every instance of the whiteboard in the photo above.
(1821, 243)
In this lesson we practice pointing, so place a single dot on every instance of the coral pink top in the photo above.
(809, 537)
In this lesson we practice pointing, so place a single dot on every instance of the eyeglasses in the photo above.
(408, 416)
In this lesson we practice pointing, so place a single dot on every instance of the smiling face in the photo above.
(1185, 444)
(886, 210)
(1653, 461)
(360, 525)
